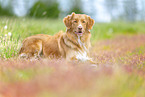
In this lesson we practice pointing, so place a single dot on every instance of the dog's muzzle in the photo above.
(79, 31)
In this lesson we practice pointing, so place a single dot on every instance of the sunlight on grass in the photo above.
(9, 46)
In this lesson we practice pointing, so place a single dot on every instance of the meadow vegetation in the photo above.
(118, 48)
(21, 28)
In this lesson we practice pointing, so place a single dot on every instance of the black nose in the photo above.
(79, 28)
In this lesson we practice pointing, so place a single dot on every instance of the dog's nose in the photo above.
(79, 27)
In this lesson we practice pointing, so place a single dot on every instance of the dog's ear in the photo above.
(72, 14)
(90, 23)
(67, 20)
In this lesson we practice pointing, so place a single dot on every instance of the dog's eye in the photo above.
(75, 21)
(84, 21)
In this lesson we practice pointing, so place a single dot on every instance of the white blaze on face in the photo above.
(80, 25)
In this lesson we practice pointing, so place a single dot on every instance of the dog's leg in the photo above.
(23, 56)
(31, 51)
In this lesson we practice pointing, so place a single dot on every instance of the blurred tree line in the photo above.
(131, 9)
(6, 10)
(50, 8)
(42, 8)
(127, 10)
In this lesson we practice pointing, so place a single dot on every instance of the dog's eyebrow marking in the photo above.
(75, 18)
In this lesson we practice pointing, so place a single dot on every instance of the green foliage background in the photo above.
(43, 9)
(6, 11)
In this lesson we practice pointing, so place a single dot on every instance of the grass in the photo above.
(24, 27)
(119, 49)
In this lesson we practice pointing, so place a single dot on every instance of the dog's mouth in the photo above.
(79, 32)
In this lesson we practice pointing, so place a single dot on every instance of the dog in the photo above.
(74, 44)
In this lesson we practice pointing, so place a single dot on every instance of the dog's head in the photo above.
(78, 23)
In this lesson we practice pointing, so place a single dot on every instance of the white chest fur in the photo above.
(82, 56)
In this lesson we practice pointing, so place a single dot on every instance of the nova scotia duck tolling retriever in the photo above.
(74, 44)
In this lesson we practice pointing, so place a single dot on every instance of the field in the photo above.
(118, 48)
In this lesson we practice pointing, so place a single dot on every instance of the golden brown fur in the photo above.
(73, 44)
